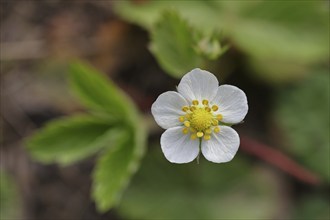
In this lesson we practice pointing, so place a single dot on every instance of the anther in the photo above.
(215, 108)
(208, 109)
(185, 130)
(195, 102)
(207, 137)
(185, 108)
(199, 134)
(205, 102)
(192, 108)
(208, 131)
(215, 122)
(181, 118)
(217, 129)
(219, 117)
(192, 130)
(193, 136)
(187, 124)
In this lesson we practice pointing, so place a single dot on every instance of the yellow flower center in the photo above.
(200, 119)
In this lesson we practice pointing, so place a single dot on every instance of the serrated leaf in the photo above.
(173, 45)
(96, 92)
(114, 169)
(71, 139)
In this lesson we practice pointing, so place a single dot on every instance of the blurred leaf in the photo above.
(97, 92)
(114, 126)
(10, 205)
(288, 35)
(162, 190)
(115, 168)
(71, 139)
(303, 114)
(312, 207)
(172, 44)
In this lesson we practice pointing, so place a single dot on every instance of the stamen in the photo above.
(192, 108)
(185, 108)
(208, 131)
(187, 124)
(208, 109)
(195, 102)
(216, 129)
(193, 136)
(219, 117)
(207, 137)
(215, 122)
(205, 102)
(181, 118)
(199, 134)
(192, 130)
(215, 108)
(185, 130)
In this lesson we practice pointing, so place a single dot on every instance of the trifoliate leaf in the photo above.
(96, 92)
(71, 139)
(115, 168)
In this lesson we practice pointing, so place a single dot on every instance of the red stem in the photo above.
(278, 159)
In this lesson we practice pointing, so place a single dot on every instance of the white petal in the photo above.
(167, 109)
(222, 146)
(198, 84)
(232, 103)
(178, 147)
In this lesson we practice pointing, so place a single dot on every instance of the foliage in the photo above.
(9, 198)
(281, 38)
(179, 47)
(112, 127)
(162, 190)
(303, 114)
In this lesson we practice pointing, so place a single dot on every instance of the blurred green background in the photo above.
(275, 51)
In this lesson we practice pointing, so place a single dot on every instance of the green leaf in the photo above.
(162, 190)
(10, 204)
(288, 35)
(98, 93)
(302, 113)
(71, 139)
(115, 168)
(173, 45)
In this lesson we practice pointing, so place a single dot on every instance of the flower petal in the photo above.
(198, 85)
(222, 146)
(232, 103)
(167, 108)
(178, 147)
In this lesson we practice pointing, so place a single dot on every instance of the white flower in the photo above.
(195, 118)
